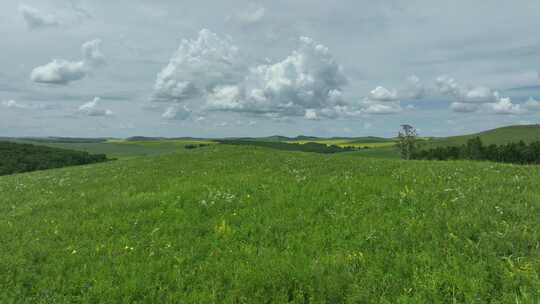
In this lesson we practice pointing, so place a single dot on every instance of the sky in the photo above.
(207, 68)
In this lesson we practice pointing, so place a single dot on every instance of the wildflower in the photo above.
(223, 228)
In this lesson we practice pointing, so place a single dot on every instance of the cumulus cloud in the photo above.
(472, 98)
(466, 94)
(480, 95)
(92, 108)
(383, 94)
(505, 107)
(59, 71)
(36, 19)
(62, 72)
(309, 78)
(448, 86)
(307, 83)
(311, 114)
(388, 101)
(198, 67)
(225, 98)
(177, 112)
(532, 105)
(207, 72)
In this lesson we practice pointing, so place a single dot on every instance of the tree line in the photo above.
(306, 147)
(474, 149)
(18, 158)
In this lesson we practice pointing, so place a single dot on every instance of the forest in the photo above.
(474, 149)
(18, 158)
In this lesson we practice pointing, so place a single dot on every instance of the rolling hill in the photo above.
(504, 135)
(243, 224)
(378, 147)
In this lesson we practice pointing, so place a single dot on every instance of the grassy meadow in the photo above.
(241, 224)
(123, 149)
(504, 135)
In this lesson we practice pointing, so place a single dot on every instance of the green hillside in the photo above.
(499, 136)
(120, 148)
(242, 224)
(504, 135)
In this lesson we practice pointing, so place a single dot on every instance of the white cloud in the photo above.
(469, 99)
(471, 94)
(383, 94)
(92, 54)
(177, 112)
(382, 109)
(505, 107)
(198, 67)
(387, 101)
(63, 72)
(225, 98)
(311, 115)
(448, 86)
(35, 19)
(309, 78)
(59, 72)
(480, 95)
(309, 82)
(532, 105)
(92, 108)
(461, 107)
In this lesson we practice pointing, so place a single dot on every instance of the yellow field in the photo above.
(345, 143)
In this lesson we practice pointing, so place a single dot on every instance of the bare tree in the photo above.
(407, 141)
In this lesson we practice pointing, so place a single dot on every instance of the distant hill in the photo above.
(55, 139)
(304, 138)
(143, 138)
(504, 135)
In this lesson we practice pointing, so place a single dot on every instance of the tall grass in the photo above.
(250, 225)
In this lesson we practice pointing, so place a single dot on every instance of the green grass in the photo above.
(499, 136)
(383, 152)
(123, 149)
(245, 224)
(162, 142)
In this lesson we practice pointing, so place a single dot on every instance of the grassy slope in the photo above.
(249, 225)
(124, 148)
(527, 133)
